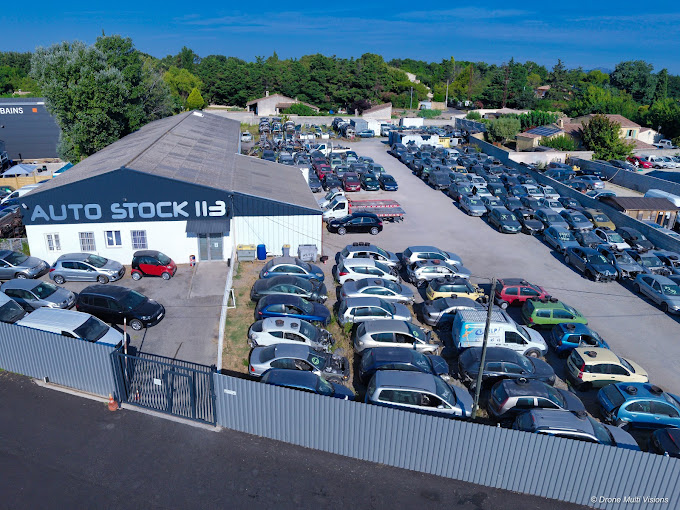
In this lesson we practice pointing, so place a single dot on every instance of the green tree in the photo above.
(666, 114)
(300, 109)
(563, 143)
(534, 80)
(594, 99)
(559, 82)
(602, 136)
(473, 116)
(181, 82)
(661, 91)
(503, 129)
(636, 78)
(195, 100)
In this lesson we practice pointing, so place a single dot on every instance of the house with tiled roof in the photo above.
(274, 104)
(531, 138)
(378, 112)
(629, 129)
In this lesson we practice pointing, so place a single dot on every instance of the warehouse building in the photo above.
(28, 130)
(178, 185)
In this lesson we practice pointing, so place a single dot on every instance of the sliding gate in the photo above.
(167, 385)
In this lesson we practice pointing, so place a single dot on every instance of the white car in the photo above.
(288, 330)
(358, 269)
(369, 251)
(246, 137)
(611, 238)
(550, 203)
(415, 253)
(549, 191)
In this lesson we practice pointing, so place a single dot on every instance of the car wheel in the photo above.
(136, 275)
(374, 231)
(136, 324)
(342, 231)
(102, 279)
(59, 280)
(664, 307)
(21, 276)
(165, 276)
(503, 305)
(636, 288)
(533, 353)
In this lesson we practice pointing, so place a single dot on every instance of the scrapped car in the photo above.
(548, 312)
(566, 337)
(276, 330)
(355, 269)
(288, 356)
(551, 218)
(639, 405)
(306, 381)
(377, 287)
(369, 251)
(591, 263)
(550, 203)
(152, 263)
(453, 286)
(442, 310)
(559, 238)
(624, 264)
(511, 291)
(530, 224)
(421, 272)
(291, 266)
(312, 290)
(394, 333)
(670, 259)
(635, 239)
(415, 253)
(14, 264)
(504, 221)
(400, 358)
(660, 289)
(587, 238)
(576, 221)
(598, 218)
(589, 367)
(291, 306)
(356, 310)
(611, 238)
(34, 294)
(418, 392)
(649, 262)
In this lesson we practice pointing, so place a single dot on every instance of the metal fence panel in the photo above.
(66, 361)
(550, 467)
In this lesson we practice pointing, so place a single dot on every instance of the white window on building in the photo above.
(87, 241)
(139, 239)
(53, 242)
(113, 238)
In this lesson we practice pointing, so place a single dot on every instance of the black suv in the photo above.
(356, 222)
(113, 304)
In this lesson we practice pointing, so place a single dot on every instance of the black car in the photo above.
(569, 203)
(399, 358)
(511, 203)
(268, 155)
(115, 304)
(665, 441)
(387, 182)
(530, 225)
(331, 181)
(591, 263)
(530, 203)
(314, 184)
(635, 239)
(501, 363)
(497, 189)
(356, 222)
(289, 284)
(369, 182)
(587, 239)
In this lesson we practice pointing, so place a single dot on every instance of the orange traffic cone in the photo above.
(113, 405)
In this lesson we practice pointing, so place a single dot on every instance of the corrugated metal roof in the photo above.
(641, 203)
(208, 226)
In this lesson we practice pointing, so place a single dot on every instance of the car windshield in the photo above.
(303, 265)
(45, 290)
(614, 395)
(351, 179)
(369, 178)
(132, 300)
(92, 329)
(308, 331)
(596, 258)
(565, 236)
(96, 261)
(571, 310)
(10, 312)
(415, 331)
(387, 306)
(552, 218)
(614, 237)
(317, 359)
(650, 261)
(382, 267)
(440, 305)
(579, 218)
(475, 202)
(624, 258)
(508, 217)
(323, 387)
(556, 397)
(392, 286)
(163, 259)
(628, 366)
(601, 433)
(388, 178)
(444, 391)
(671, 290)
(306, 306)
(15, 258)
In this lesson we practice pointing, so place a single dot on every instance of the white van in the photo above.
(468, 331)
(72, 324)
(657, 193)
(20, 192)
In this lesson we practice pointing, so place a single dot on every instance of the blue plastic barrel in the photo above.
(261, 252)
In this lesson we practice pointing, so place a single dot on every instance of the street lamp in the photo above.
(478, 386)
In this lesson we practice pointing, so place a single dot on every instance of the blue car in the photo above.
(387, 182)
(281, 305)
(568, 336)
(306, 381)
(399, 358)
(639, 405)
(560, 238)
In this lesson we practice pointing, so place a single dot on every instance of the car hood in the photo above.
(32, 262)
(465, 400)
(401, 312)
(148, 308)
(342, 392)
(631, 267)
(463, 272)
(622, 438)
(573, 402)
(542, 369)
(112, 337)
(606, 269)
(672, 300)
(439, 364)
(60, 295)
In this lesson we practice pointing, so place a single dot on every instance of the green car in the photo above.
(548, 312)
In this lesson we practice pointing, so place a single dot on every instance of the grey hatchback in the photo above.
(86, 267)
(34, 294)
(14, 264)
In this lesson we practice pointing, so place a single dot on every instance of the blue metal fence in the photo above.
(545, 466)
(66, 361)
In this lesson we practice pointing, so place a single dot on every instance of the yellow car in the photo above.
(598, 218)
(590, 367)
(449, 287)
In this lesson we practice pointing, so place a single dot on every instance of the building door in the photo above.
(210, 247)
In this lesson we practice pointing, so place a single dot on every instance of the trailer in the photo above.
(341, 206)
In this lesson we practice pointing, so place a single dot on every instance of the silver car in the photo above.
(377, 287)
(418, 392)
(355, 310)
(442, 310)
(625, 266)
(369, 251)
(34, 294)
(420, 273)
(86, 267)
(473, 206)
(358, 269)
(660, 289)
(298, 357)
(276, 330)
(394, 333)
(14, 264)
(415, 253)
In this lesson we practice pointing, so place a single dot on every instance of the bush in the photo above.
(429, 114)
(300, 109)
(560, 143)
(503, 129)
(473, 116)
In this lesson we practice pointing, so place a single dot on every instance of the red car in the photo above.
(323, 170)
(152, 263)
(511, 291)
(640, 162)
(351, 182)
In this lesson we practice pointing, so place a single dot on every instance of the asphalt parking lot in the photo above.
(633, 327)
(192, 300)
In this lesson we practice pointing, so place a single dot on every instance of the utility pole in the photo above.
(478, 386)
(446, 101)
(411, 105)
(507, 79)
(470, 83)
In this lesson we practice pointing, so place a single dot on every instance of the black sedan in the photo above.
(400, 358)
(530, 225)
(115, 305)
(501, 363)
(331, 181)
(587, 239)
(591, 263)
(356, 222)
(288, 284)
(369, 182)
(387, 182)
(635, 239)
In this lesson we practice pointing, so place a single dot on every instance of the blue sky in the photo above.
(589, 34)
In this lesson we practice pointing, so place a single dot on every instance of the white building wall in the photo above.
(275, 231)
(170, 237)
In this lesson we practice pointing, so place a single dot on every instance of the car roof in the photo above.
(525, 387)
(276, 280)
(358, 262)
(405, 379)
(549, 303)
(21, 283)
(448, 280)
(74, 256)
(460, 301)
(353, 248)
(281, 323)
(631, 391)
(391, 354)
(419, 248)
(585, 249)
(293, 350)
(66, 318)
(279, 298)
(284, 260)
(596, 355)
(146, 253)
(430, 262)
(284, 377)
(492, 354)
(574, 328)
(551, 419)
(387, 326)
(559, 228)
(663, 280)
(515, 281)
(114, 291)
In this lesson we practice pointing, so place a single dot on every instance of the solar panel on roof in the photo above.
(544, 130)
